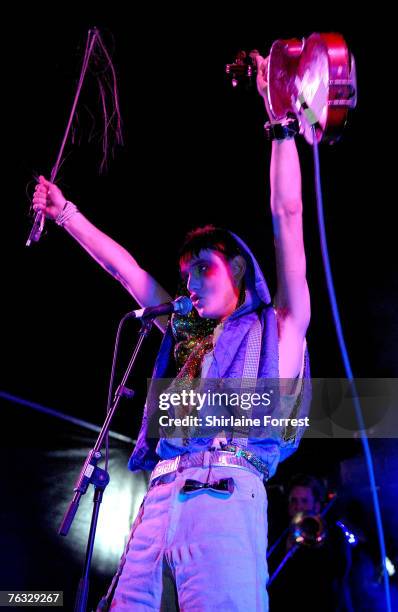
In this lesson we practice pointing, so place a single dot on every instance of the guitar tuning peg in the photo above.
(243, 68)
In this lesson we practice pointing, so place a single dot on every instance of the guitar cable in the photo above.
(347, 365)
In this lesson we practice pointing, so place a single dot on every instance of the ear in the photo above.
(238, 268)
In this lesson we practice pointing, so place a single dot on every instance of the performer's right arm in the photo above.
(49, 199)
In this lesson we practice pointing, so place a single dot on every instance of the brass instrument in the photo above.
(307, 529)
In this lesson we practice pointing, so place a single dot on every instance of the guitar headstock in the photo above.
(243, 69)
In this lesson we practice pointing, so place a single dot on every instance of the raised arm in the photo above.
(108, 253)
(292, 300)
(292, 296)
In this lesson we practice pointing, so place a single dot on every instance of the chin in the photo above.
(204, 314)
(207, 313)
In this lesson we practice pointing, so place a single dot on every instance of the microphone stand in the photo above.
(92, 474)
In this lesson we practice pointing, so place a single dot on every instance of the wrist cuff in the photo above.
(288, 128)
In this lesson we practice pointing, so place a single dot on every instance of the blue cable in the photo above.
(347, 366)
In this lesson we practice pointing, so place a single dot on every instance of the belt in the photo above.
(231, 456)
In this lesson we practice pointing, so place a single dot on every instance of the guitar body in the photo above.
(314, 79)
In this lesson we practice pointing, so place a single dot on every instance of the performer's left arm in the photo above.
(292, 301)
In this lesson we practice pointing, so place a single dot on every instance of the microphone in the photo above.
(181, 305)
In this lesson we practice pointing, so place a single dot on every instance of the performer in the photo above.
(317, 575)
(199, 540)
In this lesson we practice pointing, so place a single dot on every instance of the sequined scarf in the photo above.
(193, 339)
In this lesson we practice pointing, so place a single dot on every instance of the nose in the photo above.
(193, 283)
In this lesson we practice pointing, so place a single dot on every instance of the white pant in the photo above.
(200, 551)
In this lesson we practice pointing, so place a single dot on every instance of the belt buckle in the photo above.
(222, 460)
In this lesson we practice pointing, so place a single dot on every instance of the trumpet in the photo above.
(307, 529)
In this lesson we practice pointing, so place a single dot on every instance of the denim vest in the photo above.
(228, 363)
